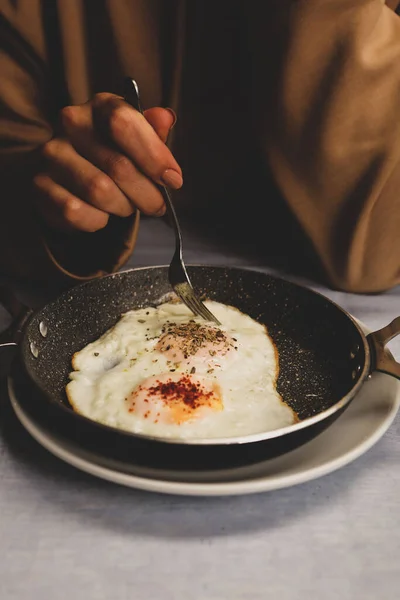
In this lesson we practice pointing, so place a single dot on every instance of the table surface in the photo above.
(65, 534)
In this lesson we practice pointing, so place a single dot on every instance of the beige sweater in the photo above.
(291, 102)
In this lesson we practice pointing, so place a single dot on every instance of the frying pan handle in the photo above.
(10, 337)
(382, 359)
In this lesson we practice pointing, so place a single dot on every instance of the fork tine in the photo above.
(203, 311)
(199, 305)
(187, 296)
(188, 303)
(206, 314)
(188, 299)
(196, 305)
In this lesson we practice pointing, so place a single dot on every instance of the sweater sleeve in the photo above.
(28, 111)
(332, 135)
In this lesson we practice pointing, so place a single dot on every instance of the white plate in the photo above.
(360, 427)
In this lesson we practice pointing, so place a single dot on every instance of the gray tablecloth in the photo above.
(64, 534)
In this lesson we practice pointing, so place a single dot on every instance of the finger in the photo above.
(162, 121)
(141, 192)
(62, 210)
(131, 132)
(73, 117)
(84, 180)
(137, 188)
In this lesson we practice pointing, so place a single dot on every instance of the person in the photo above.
(287, 121)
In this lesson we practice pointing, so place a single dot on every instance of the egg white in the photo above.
(109, 369)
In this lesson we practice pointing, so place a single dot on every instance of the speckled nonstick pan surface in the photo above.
(323, 358)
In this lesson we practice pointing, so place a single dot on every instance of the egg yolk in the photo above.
(181, 342)
(174, 398)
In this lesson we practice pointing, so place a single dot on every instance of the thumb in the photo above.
(162, 121)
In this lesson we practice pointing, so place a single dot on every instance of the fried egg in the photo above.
(162, 372)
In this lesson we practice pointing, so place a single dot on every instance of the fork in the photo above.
(177, 274)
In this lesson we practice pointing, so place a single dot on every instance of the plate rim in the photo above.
(231, 488)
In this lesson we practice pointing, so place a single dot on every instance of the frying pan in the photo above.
(324, 360)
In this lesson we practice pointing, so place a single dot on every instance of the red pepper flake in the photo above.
(184, 390)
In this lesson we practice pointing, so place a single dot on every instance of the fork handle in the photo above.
(131, 95)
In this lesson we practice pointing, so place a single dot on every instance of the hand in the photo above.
(105, 164)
